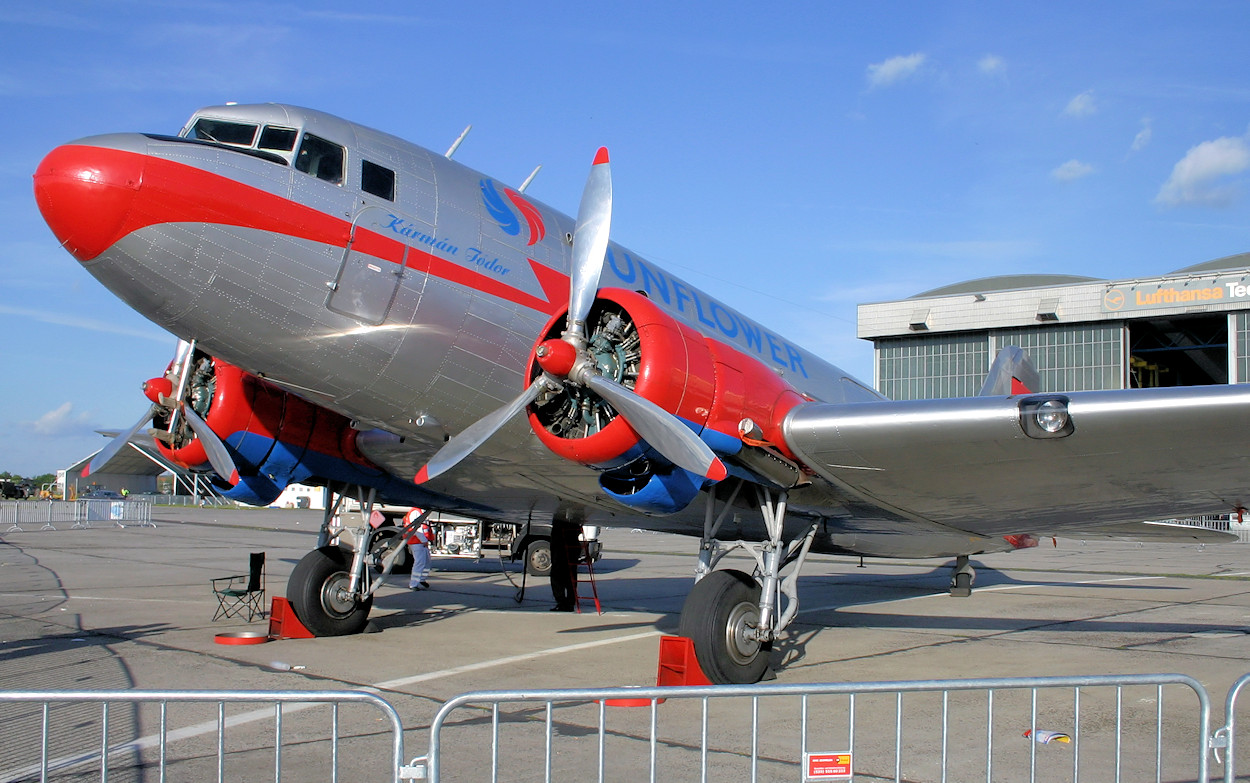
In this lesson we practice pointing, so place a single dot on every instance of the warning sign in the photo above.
(827, 766)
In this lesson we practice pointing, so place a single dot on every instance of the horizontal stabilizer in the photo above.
(1012, 373)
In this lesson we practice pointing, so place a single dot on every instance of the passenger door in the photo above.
(366, 285)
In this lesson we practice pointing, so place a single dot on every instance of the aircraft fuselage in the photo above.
(381, 281)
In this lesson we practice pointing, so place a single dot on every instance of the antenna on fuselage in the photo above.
(455, 145)
(530, 178)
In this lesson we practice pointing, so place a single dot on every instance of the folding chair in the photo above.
(243, 592)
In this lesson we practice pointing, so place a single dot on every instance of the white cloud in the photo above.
(992, 65)
(59, 421)
(1201, 177)
(893, 70)
(960, 250)
(85, 323)
(1142, 139)
(1072, 170)
(1082, 105)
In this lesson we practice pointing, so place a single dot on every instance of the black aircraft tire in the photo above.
(538, 557)
(720, 608)
(315, 591)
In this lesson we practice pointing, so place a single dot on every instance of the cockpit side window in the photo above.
(223, 132)
(378, 180)
(277, 139)
(320, 158)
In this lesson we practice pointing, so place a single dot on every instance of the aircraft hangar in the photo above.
(1187, 328)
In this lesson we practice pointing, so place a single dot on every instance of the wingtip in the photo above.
(601, 156)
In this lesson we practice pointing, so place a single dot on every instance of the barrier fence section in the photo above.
(1225, 737)
(1097, 728)
(22, 515)
(126, 735)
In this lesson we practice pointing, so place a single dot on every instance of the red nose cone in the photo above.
(556, 357)
(86, 195)
(157, 387)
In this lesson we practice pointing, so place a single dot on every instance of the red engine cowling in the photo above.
(708, 384)
(255, 418)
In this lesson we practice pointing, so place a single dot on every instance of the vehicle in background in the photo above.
(102, 494)
(463, 537)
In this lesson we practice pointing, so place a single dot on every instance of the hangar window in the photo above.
(1241, 326)
(1075, 357)
(223, 131)
(378, 180)
(918, 368)
(320, 158)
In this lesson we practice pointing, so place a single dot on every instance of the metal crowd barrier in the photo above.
(1091, 728)
(20, 515)
(78, 741)
(1095, 728)
(1225, 737)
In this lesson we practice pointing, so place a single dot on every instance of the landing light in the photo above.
(1046, 417)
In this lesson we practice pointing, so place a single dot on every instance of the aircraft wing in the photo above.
(979, 465)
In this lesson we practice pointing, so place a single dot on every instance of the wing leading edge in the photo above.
(1131, 455)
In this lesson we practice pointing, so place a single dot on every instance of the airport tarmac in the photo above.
(130, 608)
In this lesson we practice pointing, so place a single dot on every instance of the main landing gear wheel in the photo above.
(720, 614)
(318, 592)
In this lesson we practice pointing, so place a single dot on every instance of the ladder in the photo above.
(579, 557)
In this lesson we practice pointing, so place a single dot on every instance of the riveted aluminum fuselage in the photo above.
(413, 316)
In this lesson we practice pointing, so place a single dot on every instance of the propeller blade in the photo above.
(115, 445)
(218, 456)
(180, 353)
(477, 433)
(660, 428)
(183, 355)
(590, 241)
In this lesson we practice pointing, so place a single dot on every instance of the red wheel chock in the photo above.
(283, 624)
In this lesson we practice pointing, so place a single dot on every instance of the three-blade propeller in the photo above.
(570, 363)
(216, 451)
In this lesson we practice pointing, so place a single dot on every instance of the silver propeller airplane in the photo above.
(358, 311)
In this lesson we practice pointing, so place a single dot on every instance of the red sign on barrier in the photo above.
(827, 766)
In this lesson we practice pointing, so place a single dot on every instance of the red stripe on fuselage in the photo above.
(174, 192)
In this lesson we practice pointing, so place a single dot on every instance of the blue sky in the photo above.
(792, 159)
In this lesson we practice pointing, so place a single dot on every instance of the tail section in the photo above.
(1012, 373)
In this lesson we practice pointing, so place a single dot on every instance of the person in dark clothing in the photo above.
(565, 550)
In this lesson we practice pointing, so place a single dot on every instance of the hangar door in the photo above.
(1187, 350)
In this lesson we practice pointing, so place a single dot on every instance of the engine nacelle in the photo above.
(275, 437)
(710, 386)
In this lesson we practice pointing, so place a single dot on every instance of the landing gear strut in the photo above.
(329, 588)
(732, 617)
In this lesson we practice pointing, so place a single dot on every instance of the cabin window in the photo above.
(320, 158)
(224, 132)
(277, 139)
(378, 180)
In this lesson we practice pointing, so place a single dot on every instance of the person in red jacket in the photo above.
(419, 547)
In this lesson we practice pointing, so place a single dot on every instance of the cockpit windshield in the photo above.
(224, 132)
(271, 142)
(307, 152)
